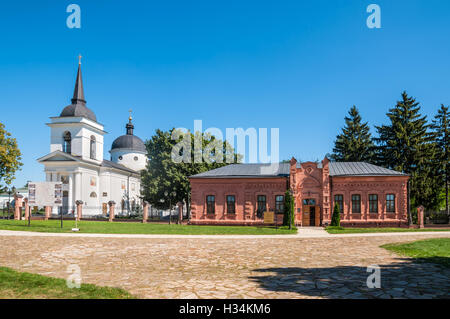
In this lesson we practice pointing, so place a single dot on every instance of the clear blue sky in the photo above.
(295, 65)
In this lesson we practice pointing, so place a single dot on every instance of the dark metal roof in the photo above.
(78, 92)
(107, 163)
(247, 170)
(129, 141)
(78, 110)
(360, 169)
(78, 107)
(268, 170)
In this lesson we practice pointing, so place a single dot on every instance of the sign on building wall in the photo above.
(45, 193)
(269, 217)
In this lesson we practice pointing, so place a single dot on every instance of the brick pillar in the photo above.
(145, 212)
(27, 208)
(79, 209)
(18, 206)
(420, 213)
(180, 212)
(112, 205)
(48, 210)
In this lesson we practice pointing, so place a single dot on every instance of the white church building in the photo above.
(76, 160)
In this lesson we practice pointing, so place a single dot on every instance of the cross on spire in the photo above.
(129, 125)
(78, 92)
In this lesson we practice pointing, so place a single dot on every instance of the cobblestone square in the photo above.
(221, 267)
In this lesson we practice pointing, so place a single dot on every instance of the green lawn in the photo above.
(18, 285)
(435, 250)
(104, 227)
(343, 230)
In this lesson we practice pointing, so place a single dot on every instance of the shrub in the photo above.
(288, 209)
(336, 218)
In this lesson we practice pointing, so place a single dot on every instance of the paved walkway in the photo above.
(230, 266)
(304, 232)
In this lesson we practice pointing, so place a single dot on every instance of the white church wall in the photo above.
(90, 192)
(86, 134)
(57, 139)
(81, 137)
(135, 160)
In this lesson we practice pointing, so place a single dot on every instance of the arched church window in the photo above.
(67, 143)
(92, 147)
(120, 158)
(93, 195)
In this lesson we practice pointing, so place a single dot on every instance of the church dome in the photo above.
(78, 107)
(129, 141)
(78, 110)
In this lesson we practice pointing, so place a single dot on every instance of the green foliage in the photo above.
(354, 144)
(17, 285)
(289, 213)
(441, 134)
(351, 230)
(436, 250)
(336, 218)
(54, 226)
(169, 171)
(406, 145)
(10, 157)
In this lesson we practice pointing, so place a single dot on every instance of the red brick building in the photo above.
(239, 194)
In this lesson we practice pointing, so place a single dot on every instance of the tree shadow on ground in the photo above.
(407, 278)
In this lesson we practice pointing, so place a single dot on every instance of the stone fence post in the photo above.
(27, 208)
(145, 212)
(111, 204)
(79, 204)
(48, 210)
(18, 206)
(420, 216)
(180, 212)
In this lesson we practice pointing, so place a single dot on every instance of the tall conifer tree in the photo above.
(354, 144)
(406, 145)
(441, 134)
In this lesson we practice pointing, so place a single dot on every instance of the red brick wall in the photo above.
(307, 182)
(364, 186)
(245, 191)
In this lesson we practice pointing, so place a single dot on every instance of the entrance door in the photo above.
(312, 216)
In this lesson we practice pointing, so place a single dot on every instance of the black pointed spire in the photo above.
(78, 93)
(129, 125)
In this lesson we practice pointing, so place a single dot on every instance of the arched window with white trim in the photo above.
(67, 143)
(92, 147)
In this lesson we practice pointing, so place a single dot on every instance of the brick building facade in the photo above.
(239, 194)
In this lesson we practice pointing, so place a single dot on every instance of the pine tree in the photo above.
(355, 143)
(289, 214)
(405, 145)
(336, 217)
(441, 135)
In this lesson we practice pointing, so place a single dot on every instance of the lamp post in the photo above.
(173, 194)
(162, 202)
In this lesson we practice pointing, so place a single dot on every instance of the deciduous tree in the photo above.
(10, 157)
(164, 174)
